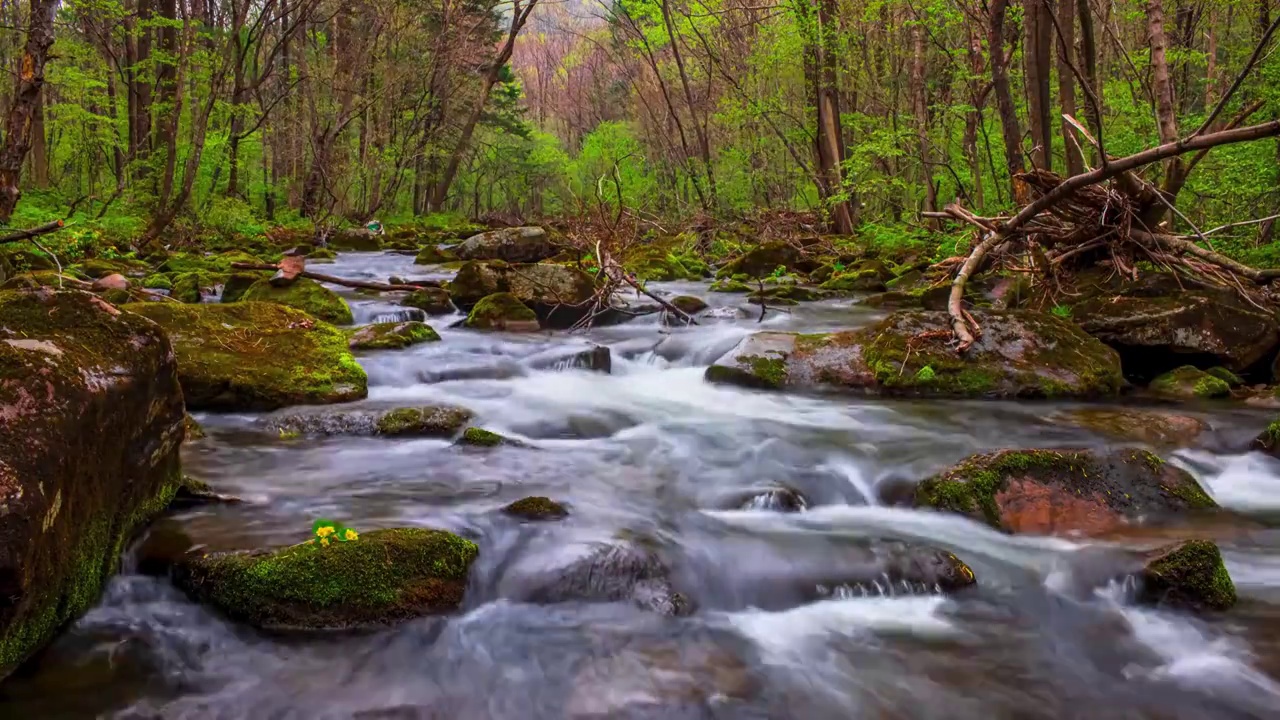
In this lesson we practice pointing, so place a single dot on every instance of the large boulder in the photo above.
(502, 311)
(1019, 354)
(381, 578)
(306, 295)
(1059, 492)
(90, 424)
(257, 356)
(764, 260)
(358, 239)
(238, 284)
(1158, 325)
(556, 293)
(514, 245)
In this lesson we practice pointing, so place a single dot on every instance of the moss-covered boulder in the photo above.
(430, 300)
(188, 287)
(1268, 441)
(306, 295)
(1190, 382)
(513, 245)
(865, 281)
(1189, 575)
(1020, 354)
(239, 283)
(100, 267)
(392, 335)
(381, 578)
(431, 421)
(557, 294)
(90, 426)
(729, 285)
(793, 293)
(435, 255)
(764, 260)
(438, 421)
(536, 508)
(689, 304)
(321, 255)
(356, 239)
(1060, 492)
(209, 262)
(157, 281)
(479, 437)
(502, 311)
(256, 356)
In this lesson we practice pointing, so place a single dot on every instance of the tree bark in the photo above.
(1067, 84)
(920, 108)
(1166, 118)
(1088, 67)
(26, 93)
(1004, 97)
(1038, 29)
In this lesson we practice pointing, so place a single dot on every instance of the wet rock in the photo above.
(188, 287)
(794, 293)
(256, 356)
(357, 239)
(614, 572)
(384, 577)
(1188, 575)
(1268, 441)
(432, 301)
(115, 281)
(239, 283)
(392, 336)
(689, 304)
(1147, 426)
(513, 245)
(730, 285)
(117, 297)
(191, 429)
(90, 426)
(321, 255)
(892, 300)
(756, 299)
(162, 546)
(780, 499)
(762, 261)
(479, 437)
(502, 311)
(99, 268)
(303, 294)
(1154, 322)
(1019, 354)
(192, 493)
(597, 358)
(434, 255)
(536, 508)
(892, 569)
(557, 294)
(867, 281)
(430, 421)
(1059, 492)
(1188, 382)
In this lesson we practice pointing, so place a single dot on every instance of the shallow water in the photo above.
(652, 451)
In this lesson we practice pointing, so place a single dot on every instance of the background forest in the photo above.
(193, 119)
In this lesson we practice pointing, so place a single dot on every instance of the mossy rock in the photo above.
(689, 304)
(1136, 425)
(892, 300)
(191, 430)
(384, 577)
(1190, 382)
(762, 261)
(906, 281)
(392, 335)
(432, 301)
(502, 311)
(303, 294)
(355, 239)
(435, 255)
(864, 281)
(793, 293)
(207, 263)
(239, 283)
(557, 294)
(909, 353)
(256, 356)
(731, 286)
(478, 437)
(1268, 441)
(1057, 492)
(529, 244)
(90, 428)
(116, 296)
(433, 421)
(23, 257)
(98, 267)
(1231, 379)
(1188, 575)
(536, 508)
(321, 254)
(186, 288)
(157, 281)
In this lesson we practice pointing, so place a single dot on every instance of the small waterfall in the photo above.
(399, 316)
(884, 587)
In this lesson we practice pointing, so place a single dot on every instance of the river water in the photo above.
(652, 451)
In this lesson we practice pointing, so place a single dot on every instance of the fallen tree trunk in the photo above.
(34, 232)
(362, 284)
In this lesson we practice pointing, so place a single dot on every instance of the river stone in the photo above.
(1147, 426)
(557, 294)
(90, 426)
(1188, 575)
(536, 508)
(443, 421)
(303, 294)
(479, 437)
(434, 255)
(384, 577)
(256, 356)
(430, 421)
(613, 572)
(866, 281)
(1188, 382)
(239, 283)
(688, 304)
(188, 287)
(1154, 322)
(778, 499)
(502, 311)
(431, 300)
(114, 281)
(762, 261)
(392, 336)
(1060, 492)
(513, 245)
(99, 268)
(892, 569)
(909, 353)
(358, 239)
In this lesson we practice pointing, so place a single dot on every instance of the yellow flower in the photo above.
(324, 542)
(325, 531)
(351, 534)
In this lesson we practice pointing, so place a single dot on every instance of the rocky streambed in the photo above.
(872, 546)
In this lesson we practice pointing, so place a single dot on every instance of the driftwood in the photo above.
(382, 287)
(34, 232)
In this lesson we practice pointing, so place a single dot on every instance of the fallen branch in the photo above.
(382, 287)
(32, 232)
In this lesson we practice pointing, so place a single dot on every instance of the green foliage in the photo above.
(1062, 311)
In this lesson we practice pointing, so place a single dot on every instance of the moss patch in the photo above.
(392, 335)
(441, 421)
(1190, 382)
(383, 577)
(306, 295)
(536, 508)
(434, 255)
(478, 437)
(501, 311)
(432, 301)
(1190, 575)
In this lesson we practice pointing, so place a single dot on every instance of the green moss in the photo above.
(306, 295)
(536, 508)
(481, 438)
(186, 287)
(500, 311)
(157, 282)
(971, 487)
(383, 577)
(925, 374)
(442, 421)
(432, 301)
(116, 296)
(1192, 574)
(1226, 376)
(392, 335)
(239, 283)
(1212, 387)
(433, 255)
(321, 254)
(1188, 381)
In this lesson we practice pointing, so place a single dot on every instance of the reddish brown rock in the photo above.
(114, 281)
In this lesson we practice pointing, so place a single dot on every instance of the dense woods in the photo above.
(163, 118)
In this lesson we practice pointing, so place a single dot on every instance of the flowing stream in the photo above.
(650, 450)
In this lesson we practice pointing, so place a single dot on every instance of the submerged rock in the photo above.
(444, 421)
(688, 304)
(1019, 354)
(780, 499)
(1188, 575)
(194, 492)
(392, 336)
(256, 356)
(502, 311)
(1148, 426)
(384, 577)
(891, 569)
(513, 245)
(90, 425)
(613, 572)
(431, 300)
(536, 508)
(1059, 492)
(557, 294)
(1190, 382)
(431, 421)
(303, 294)
(479, 437)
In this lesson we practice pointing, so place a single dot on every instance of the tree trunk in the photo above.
(1088, 66)
(920, 108)
(167, 97)
(1067, 84)
(1004, 98)
(39, 151)
(26, 93)
(1166, 119)
(1036, 53)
